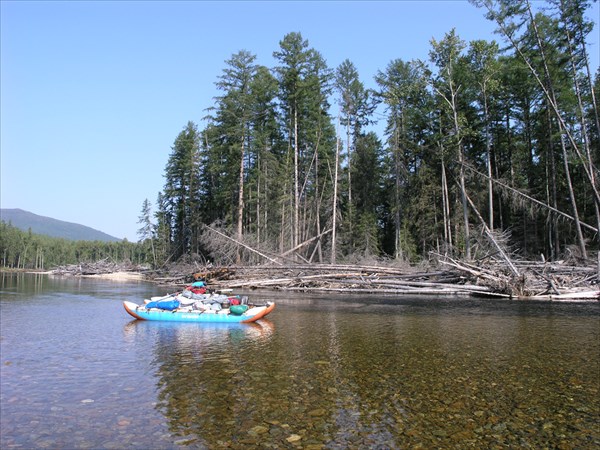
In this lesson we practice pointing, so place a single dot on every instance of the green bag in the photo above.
(238, 310)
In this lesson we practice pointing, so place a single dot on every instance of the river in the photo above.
(322, 372)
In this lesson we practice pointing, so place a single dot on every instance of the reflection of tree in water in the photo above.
(318, 381)
(374, 380)
(205, 377)
(37, 283)
(316, 384)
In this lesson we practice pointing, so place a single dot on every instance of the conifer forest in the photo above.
(482, 139)
(477, 143)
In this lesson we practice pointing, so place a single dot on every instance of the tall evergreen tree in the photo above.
(293, 70)
(403, 90)
(146, 230)
(266, 155)
(446, 56)
(356, 107)
(367, 168)
(484, 70)
(318, 143)
(181, 196)
(305, 86)
(234, 117)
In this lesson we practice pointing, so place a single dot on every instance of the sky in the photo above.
(94, 93)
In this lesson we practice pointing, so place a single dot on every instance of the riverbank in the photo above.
(526, 280)
(119, 276)
(112, 276)
(556, 281)
(104, 269)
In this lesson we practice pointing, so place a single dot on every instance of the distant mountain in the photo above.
(24, 220)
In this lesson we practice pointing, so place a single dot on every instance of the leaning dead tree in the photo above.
(490, 236)
(530, 199)
(240, 243)
(495, 273)
(445, 277)
(275, 259)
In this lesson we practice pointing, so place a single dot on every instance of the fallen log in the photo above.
(242, 244)
(434, 292)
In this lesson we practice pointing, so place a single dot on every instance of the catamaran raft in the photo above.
(195, 304)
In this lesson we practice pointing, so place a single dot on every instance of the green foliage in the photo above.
(264, 163)
(181, 204)
(25, 250)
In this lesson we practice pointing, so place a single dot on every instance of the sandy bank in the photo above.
(118, 276)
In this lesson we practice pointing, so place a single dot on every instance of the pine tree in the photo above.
(146, 231)
(484, 70)
(293, 56)
(182, 188)
(446, 55)
(234, 116)
(403, 90)
(356, 108)
(266, 154)
(318, 138)
(305, 85)
(367, 169)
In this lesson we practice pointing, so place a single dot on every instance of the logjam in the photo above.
(448, 277)
(102, 267)
(445, 277)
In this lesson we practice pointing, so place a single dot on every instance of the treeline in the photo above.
(25, 250)
(479, 139)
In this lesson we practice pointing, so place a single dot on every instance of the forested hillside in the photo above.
(25, 220)
(482, 142)
(29, 241)
(25, 250)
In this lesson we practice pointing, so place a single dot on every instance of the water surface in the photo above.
(321, 372)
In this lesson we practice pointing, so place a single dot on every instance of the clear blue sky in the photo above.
(93, 94)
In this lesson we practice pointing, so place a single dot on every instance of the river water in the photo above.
(322, 372)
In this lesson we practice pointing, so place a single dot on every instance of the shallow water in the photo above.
(342, 372)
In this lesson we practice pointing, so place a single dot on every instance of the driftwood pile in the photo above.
(348, 278)
(497, 274)
(534, 280)
(446, 277)
(556, 281)
(102, 267)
